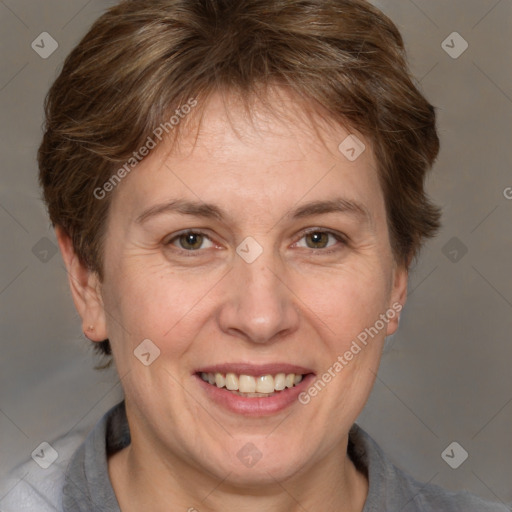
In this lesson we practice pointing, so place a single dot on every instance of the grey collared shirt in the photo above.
(84, 485)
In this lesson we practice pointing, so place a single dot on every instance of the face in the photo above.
(249, 252)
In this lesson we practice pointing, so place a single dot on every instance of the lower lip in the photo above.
(255, 406)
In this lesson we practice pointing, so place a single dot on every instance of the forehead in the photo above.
(274, 154)
(281, 116)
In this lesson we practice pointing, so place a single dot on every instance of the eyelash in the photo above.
(185, 252)
(339, 237)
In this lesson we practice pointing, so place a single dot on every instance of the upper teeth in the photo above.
(251, 384)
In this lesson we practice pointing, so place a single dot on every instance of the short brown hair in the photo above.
(143, 59)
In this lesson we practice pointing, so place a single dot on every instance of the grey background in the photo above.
(446, 374)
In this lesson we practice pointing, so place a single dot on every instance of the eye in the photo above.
(319, 240)
(191, 241)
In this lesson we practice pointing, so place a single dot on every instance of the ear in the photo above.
(398, 297)
(85, 289)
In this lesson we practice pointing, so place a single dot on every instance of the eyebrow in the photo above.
(206, 210)
(337, 205)
(198, 209)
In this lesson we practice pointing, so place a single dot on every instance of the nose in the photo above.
(258, 305)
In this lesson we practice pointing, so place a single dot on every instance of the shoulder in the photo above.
(30, 487)
(391, 489)
(420, 497)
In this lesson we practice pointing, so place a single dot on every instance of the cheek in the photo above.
(347, 302)
(156, 303)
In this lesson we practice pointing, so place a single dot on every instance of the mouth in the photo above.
(254, 390)
(250, 386)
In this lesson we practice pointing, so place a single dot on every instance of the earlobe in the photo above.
(398, 298)
(85, 289)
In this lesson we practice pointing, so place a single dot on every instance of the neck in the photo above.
(145, 480)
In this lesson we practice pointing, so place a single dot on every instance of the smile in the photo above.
(252, 386)
(253, 390)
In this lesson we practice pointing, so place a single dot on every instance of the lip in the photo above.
(254, 370)
(250, 407)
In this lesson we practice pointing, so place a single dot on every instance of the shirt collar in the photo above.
(87, 486)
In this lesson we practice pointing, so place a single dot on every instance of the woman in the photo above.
(238, 192)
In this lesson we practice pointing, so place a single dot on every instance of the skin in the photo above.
(205, 306)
